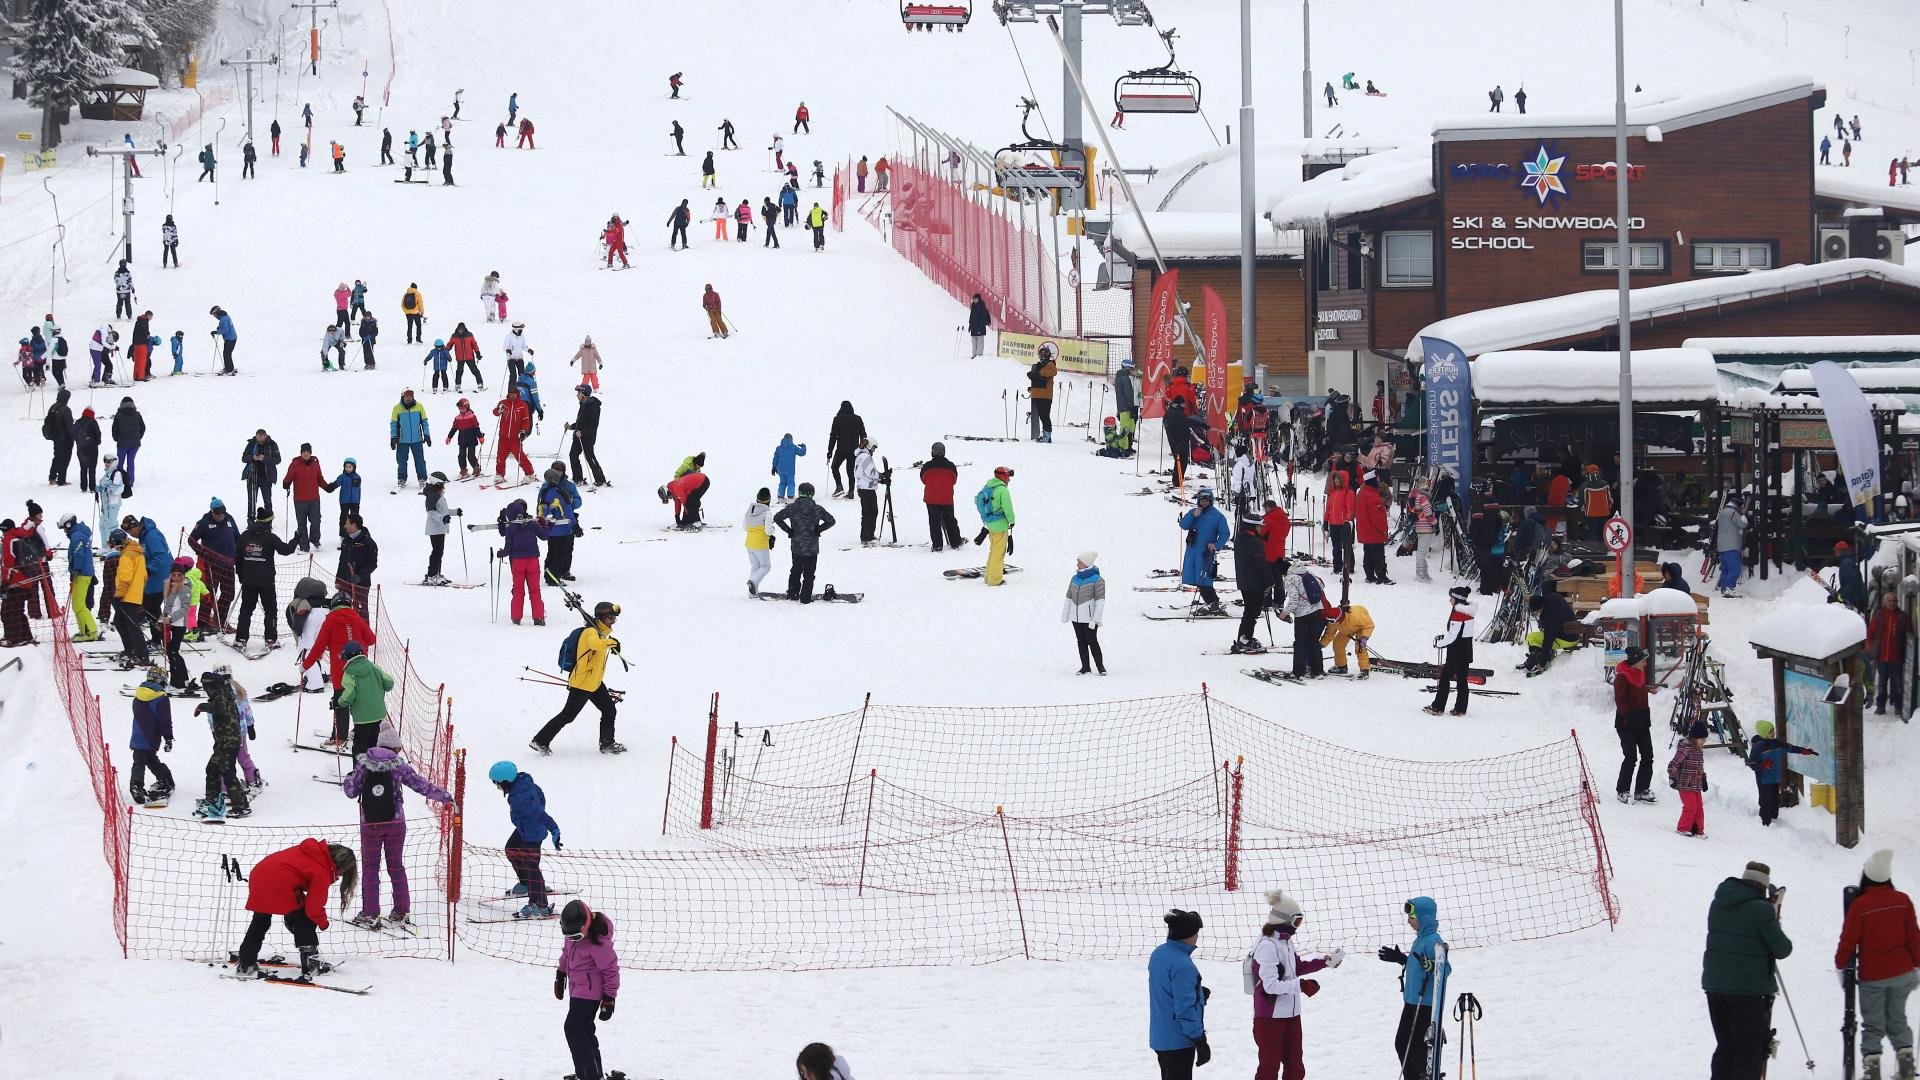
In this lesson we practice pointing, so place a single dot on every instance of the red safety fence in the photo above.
(966, 244)
(83, 713)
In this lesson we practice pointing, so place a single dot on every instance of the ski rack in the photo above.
(1164, 90)
(950, 15)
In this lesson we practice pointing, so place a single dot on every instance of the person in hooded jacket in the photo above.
(1370, 528)
(1279, 982)
(260, 469)
(359, 558)
(1040, 377)
(466, 428)
(1744, 943)
(439, 518)
(979, 319)
(58, 429)
(1423, 976)
(257, 549)
(527, 807)
(1853, 588)
(1177, 999)
(938, 475)
(293, 883)
(128, 429)
(376, 781)
(1206, 531)
(1086, 609)
(589, 975)
(80, 574)
(86, 446)
(843, 440)
(153, 544)
(466, 356)
(786, 459)
(341, 627)
(522, 531)
(152, 732)
(304, 480)
(409, 433)
(559, 502)
(803, 520)
(1880, 936)
(588, 357)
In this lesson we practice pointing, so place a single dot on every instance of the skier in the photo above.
(359, 558)
(819, 173)
(525, 142)
(80, 574)
(339, 154)
(586, 670)
(770, 214)
(1767, 756)
(679, 140)
(489, 290)
(803, 520)
(558, 503)
(414, 307)
(86, 448)
(513, 106)
(1423, 979)
(466, 427)
(759, 541)
(386, 146)
(789, 204)
(458, 96)
(429, 147)
(439, 517)
(514, 345)
(152, 732)
(979, 319)
(1354, 624)
(785, 460)
(1457, 642)
(707, 175)
(726, 136)
(1279, 982)
(817, 221)
(1206, 531)
(1370, 526)
(128, 429)
(129, 588)
(359, 110)
(1040, 377)
(169, 243)
(938, 475)
(348, 485)
(21, 575)
(207, 163)
(446, 166)
(178, 346)
(800, 120)
(247, 158)
(845, 436)
(1305, 606)
(530, 390)
(860, 171)
(226, 795)
(1744, 946)
(229, 337)
(1177, 999)
(614, 236)
(1085, 608)
(585, 427)
(994, 504)
(274, 132)
(588, 354)
(105, 341)
(342, 626)
(1254, 576)
(590, 969)
(1879, 934)
(721, 215)
(123, 292)
(500, 135)
(441, 358)
(743, 217)
(685, 491)
(716, 321)
(342, 306)
(409, 433)
(673, 85)
(293, 884)
(779, 149)
(466, 355)
(677, 221)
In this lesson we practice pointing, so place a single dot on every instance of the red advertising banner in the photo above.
(1161, 328)
(1214, 338)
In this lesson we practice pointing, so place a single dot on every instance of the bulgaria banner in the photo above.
(1214, 338)
(1449, 388)
(1854, 437)
(1162, 325)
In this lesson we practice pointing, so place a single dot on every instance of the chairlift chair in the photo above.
(922, 15)
(1024, 166)
(1164, 89)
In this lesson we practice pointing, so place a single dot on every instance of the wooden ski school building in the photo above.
(1497, 233)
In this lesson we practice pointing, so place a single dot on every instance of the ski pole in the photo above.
(466, 574)
(1467, 1010)
(1781, 983)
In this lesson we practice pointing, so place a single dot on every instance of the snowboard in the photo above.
(971, 572)
(842, 597)
(275, 692)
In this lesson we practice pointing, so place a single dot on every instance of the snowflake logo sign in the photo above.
(1544, 176)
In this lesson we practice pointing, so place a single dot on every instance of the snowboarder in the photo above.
(716, 322)
(994, 504)
(1279, 982)
(559, 503)
(1423, 978)
(226, 794)
(677, 220)
(1495, 96)
(1879, 935)
(1206, 532)
(1177, 999)
(293, 884)
(585, 427)
(409, 433)
(152, 732)
(586, 668)
(759, 541)
(785, 461)
(1085, 608)
(439, 518)
(1744, 945)
(1327, 92)
(588, 975)
(938, 476)
(1457, 642)
(376, 780)
(466, 427)
(803, 520)
(845, 436)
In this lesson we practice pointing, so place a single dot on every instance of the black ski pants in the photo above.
(577, 700)
(1176, 1064)
(1454, 672)
(1256, 603)
(251, 594)
(128, 618)
(144, 760)
(1306, 643)
(677, 238)
(416, 328)
(844, 458)
(460, 370)
(869, 515)
(583, 446)
(1410, 1040)
(582, 1041)
(436, 549)
(1087, 638)
(560, 555)
(800, 577)
(62, 456)
(1741, 1029)
(1636, 744)
(305, 934)
(942, 526)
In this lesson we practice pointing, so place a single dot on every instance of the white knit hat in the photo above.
(1089, 556)
(1282, 909)
(1879, 866)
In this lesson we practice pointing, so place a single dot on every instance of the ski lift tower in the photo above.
(126, 154)
(1124, 12)
(247, 65)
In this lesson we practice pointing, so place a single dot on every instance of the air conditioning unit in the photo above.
(1891, 245)
(1834, 243)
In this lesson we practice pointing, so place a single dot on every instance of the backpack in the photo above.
(1311, 588)
(570, 650)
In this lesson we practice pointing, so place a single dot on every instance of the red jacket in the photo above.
(304, 478)
(1273, 528)
(466, 421)
(1339, 506)
(1887, 635)
(685, 486)
(516, 419)
(291, 879)
(710, 300)
(937, 480)
(342, 624)
(9, 573)
(1880, 924)
(1371, 524)
(1629, 689)
(464, 347)
(801, 113)
(1182, 389)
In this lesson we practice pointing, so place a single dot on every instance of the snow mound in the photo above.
(1816, 630)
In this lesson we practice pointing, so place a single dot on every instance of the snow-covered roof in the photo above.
(1667, 115)
(131, 77)
(1201, 236)
(1210, 181)
(1884, 378)
(1749, 397)
(1670, 376)
(1815, 630)
(1861, 186)
(1368, 183)
(1838, 344)
(1558, 317)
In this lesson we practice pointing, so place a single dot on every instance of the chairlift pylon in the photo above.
(951, 15)
(1016, 170)
(1164, 89)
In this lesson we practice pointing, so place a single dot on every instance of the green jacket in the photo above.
(995, 505)
(1743, 941)
(363, 690)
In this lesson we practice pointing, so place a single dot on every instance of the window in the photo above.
(1409, 259)
(1597, 255)
(1323, 265)
(1731, 258)
(1354, 262)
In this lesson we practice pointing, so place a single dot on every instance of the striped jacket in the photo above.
(1086, 598)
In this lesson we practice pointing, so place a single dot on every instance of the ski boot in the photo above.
(1870, 1066)
(752, 589)
(536, 747)
(517, 890)
(1645, 797)
(192, 635)
(1338, 669)
(1209, 609)
(1364, 672)
(311, 964)
(366, 921)
(535, 911)
(539, 620)
(256, 785)
(613, 748)
(1248, 646)
(210, 809)
(1905, 1058)
(400, 919)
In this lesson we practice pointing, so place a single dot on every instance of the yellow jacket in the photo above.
(590, 658)
(1355, 623)
(410, 302)
(816, 218)
(130, 580)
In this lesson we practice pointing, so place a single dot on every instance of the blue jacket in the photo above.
(360, 295)
(1176, 1009)
(226, 330)
(221, 538)
(527, 805)
(152, 716)
(179, 348)
(558, 501)
(1853, 590)
(530, 391)
(1421, 981)
(159, 557)
(409, 423)
(80, 550)
(788, 198)
(348, 484)
(1768, 758)
(785, 455)
(1207, 526)
(441, 358)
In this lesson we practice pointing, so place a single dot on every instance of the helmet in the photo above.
(439, 343)
(117, 536)
(574, 919)
(1003, 473)
(807, 490)
(1204, 493)
(67, 521)
(183, 564)
(503, 772)
(340, 599)
(606, 609)
(353, 648)
(156, 673)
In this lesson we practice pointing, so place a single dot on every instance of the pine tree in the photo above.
(178, 25)
(70, 46)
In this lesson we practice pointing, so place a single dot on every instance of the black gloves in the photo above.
(461, 512)
(393, 444)
(559, 985)
(1392, 954)
(606, 1008)
(167, 745)
(981, 539)
(1202, 1053)
(250, 736)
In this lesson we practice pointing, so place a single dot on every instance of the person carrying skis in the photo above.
(1423, 979)
(786, 458)
(1279, 981)
(938, 476)
(994, 504)
(716, 321)
(590, 968)
(1457, 642)
(1767, 757)
(1086, 608)
(1177, 999)
(803, 520)
(466, 427)
(293, 884)
(152, 732)
(466, 356)
(759, 541)
(585, 428)
(1880, 936)
(516, 423)
(817, 221)
(226, 794)
(614, 236)
(1206, 534)
(408, 433)
(559, 504)
(586, 669)
(1744, 947)
(522, 532)
(376, 781)
(677, 221)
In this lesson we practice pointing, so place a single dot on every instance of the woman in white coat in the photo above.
(1276, 977)
(1086, 608)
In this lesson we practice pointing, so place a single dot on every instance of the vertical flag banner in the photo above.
(1161, 327)
(1449, 383)
(1214, 337)
(1854, 438)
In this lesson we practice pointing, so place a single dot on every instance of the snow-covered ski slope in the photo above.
(854, 323)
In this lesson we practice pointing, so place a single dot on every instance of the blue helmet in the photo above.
(439, 343)
(503, 772)
(352, 648)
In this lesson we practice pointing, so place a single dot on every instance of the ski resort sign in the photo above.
(1496, 232)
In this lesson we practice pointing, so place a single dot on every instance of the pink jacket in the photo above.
(592, 970)
(341, 297)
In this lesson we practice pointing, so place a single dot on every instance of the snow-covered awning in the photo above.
(1668, 115)
(1537, 377)
(1370, 183)
(1862, 188)
(1200, 236)
(1573, 315)
(1903, 378)
(129, 78)
(1813, 630)
(1834, 345)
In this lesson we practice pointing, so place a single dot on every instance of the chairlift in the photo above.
(921, 15)
(1036, 165)
(1165, 89)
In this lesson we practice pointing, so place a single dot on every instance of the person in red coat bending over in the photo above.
(1880, 932)
(516, 423)
(293, 883)
(343, 624)
(1370, 524)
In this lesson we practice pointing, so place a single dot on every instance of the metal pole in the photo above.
(1306, 68)
(1071, 198)
(1248, 306)
(126, 209)
(1625, 261)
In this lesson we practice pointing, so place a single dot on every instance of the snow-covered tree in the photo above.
(72, 44)
(179, 25)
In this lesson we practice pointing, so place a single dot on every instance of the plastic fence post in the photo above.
(1013, 877)
(673, 758)
(1206, 701)
(406, 670)
(1589, 813)
(1233, 828)
(713, 740)
(854, 763)
(456, 840)
(866, 831)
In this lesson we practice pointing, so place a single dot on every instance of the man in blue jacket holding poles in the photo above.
(1423, 986)
(1176, 1000)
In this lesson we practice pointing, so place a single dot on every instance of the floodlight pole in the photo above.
(1625, 268)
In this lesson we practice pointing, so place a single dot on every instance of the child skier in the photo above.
(439, 517)
(348, 485)
(1422, 982)
(500, 305)
(720, 217)
(1687, 774)
(589, 966)
(1276, 977)
(152, 731)
(466, 427)
(1085, 608)
(1767, 757)
(759, 541)
(588, 357)
(527, 806)
(441, 358)
(375, 781)
(226, 797)
(176, 599)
